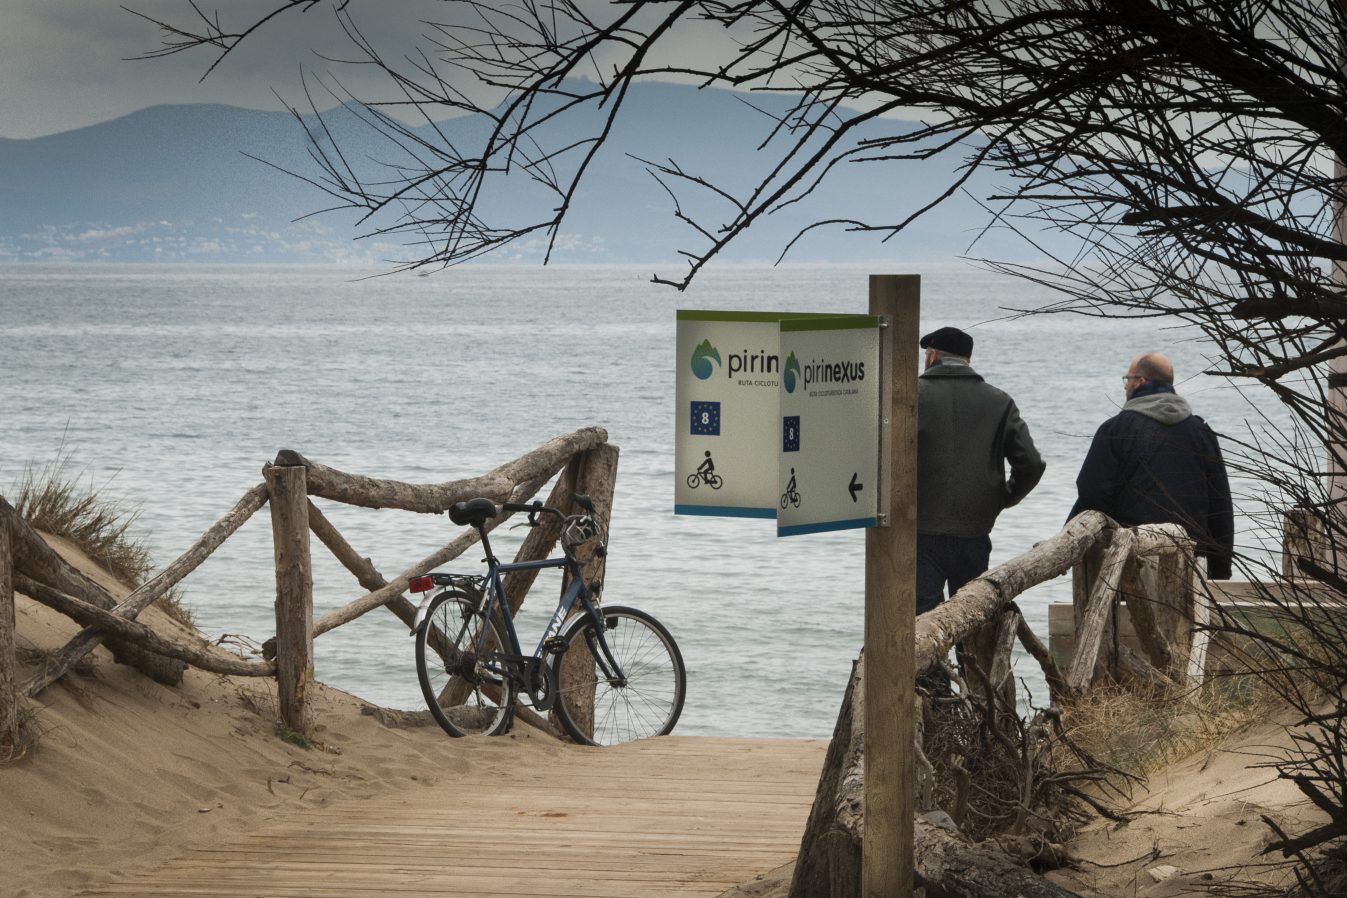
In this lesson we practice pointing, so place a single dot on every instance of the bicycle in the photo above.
(612, 673)
(710, 478)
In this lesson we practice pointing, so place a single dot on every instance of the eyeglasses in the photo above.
(1128, 378)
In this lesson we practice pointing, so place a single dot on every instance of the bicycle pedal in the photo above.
(554, 644)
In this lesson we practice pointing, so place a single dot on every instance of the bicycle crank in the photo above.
(540, 685)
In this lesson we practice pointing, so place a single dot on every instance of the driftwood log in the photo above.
(978, 603)
(394, 588)
(829, 862)
(34, 558)
(499, 485)
(199, 656)
(86, 640)
(947, 864)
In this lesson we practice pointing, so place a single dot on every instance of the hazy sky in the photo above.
(69, 63)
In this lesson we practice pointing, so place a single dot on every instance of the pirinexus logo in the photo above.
(701, 360)
(792, 373)
(826, 372)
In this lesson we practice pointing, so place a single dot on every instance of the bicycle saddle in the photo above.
(473, 512)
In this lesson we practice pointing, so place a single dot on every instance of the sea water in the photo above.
(168, 387)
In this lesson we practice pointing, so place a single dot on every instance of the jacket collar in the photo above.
(1167, 408)
(945, 369)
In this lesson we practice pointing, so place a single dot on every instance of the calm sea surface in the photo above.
(169, 387)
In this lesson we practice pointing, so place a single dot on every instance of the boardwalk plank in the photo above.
(664, 818)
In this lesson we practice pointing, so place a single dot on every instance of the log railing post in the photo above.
(1302, 537)
(294, 593)
(1084, 575)
(1199, 601)
(1092, 632)
(9, 697)
(595, 476)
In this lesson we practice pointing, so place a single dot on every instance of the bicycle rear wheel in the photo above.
(466, 690)
(597, 710)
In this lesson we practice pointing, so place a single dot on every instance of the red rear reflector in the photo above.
(420, 584)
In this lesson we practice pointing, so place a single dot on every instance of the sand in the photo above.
(129, 773)
(1198, 825)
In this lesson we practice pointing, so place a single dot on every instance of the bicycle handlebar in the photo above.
(536, 506)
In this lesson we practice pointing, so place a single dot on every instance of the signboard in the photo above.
(829, 427)
(766, 397)
(726, 396)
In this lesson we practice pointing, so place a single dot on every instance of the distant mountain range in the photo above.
(175, 183)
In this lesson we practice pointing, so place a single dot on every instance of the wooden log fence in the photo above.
(28, 565)
(1156, 560)
(1150, 565)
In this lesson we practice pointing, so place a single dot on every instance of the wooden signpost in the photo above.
(890, 601)
(843, 437)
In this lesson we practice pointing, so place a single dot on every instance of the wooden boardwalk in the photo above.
(678, 816)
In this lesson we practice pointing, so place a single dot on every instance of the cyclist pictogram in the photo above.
(792, 495)
(706, 473)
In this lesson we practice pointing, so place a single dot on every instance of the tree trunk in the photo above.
(294, 594)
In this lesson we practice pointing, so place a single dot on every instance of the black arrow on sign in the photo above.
(855, 487)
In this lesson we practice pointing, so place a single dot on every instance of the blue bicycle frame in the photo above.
(575, 593)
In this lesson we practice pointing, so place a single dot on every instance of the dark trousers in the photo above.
(947, 561)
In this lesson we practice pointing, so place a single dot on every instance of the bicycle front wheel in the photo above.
(645, 701)
(694, 480)
(462, 676)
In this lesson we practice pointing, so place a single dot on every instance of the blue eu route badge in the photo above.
(790, 433)
(706, 419)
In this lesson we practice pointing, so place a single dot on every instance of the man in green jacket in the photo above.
(967, 432)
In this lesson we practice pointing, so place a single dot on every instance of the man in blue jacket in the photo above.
(967, 432)
(1156, 462)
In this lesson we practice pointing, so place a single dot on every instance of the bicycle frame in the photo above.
(576, 592)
